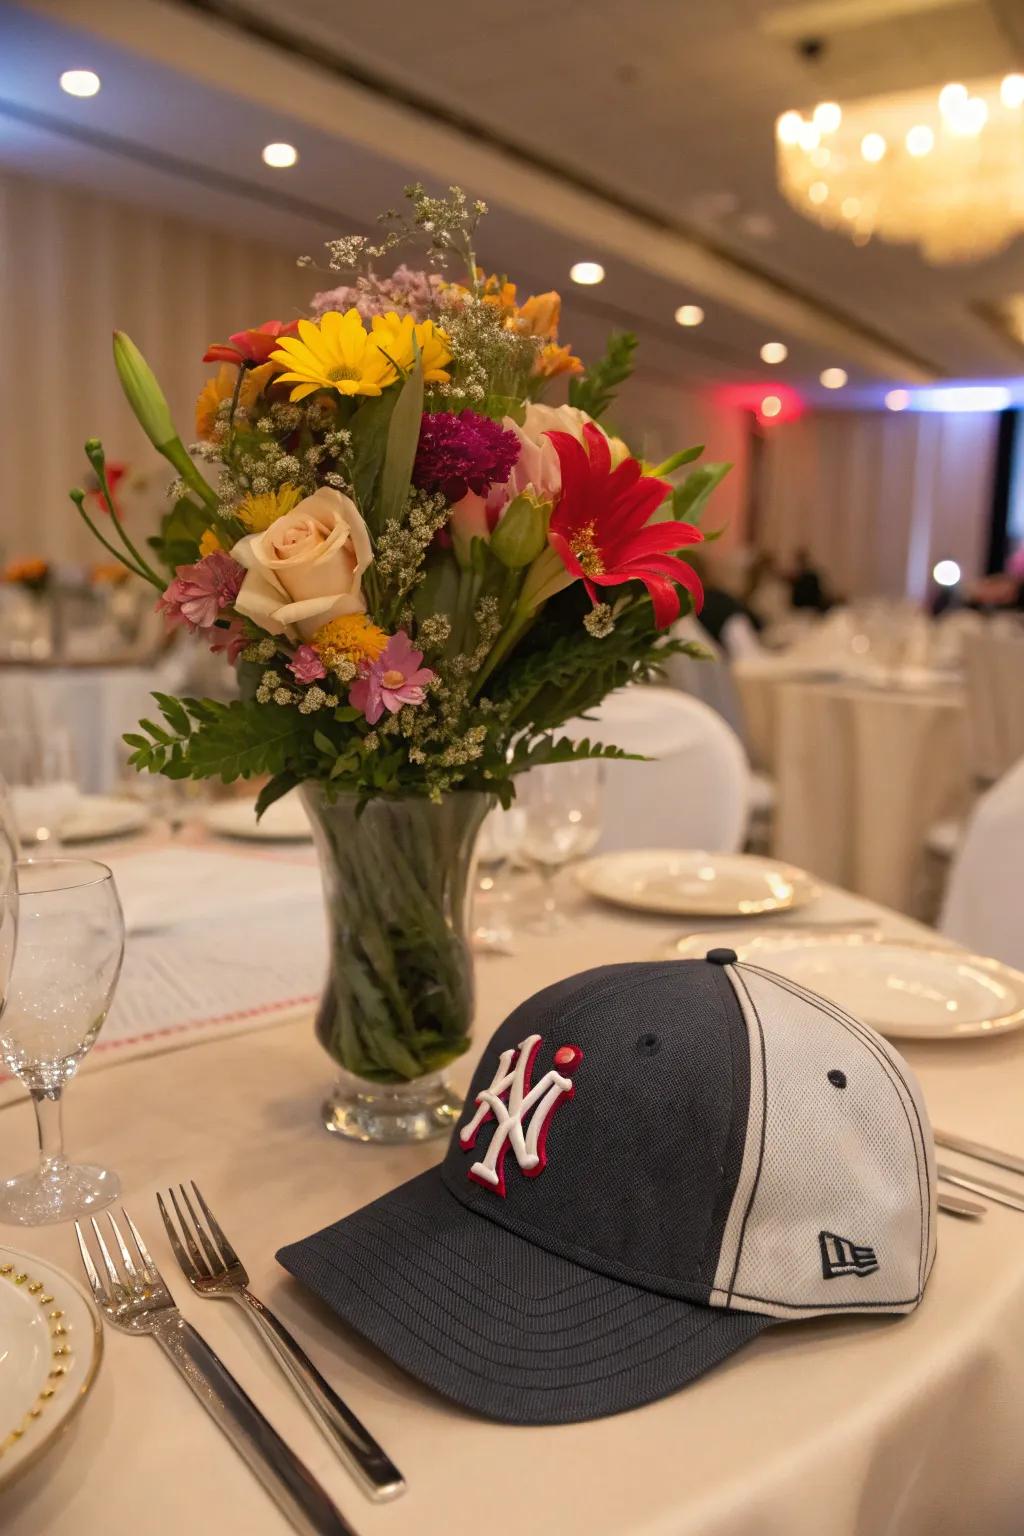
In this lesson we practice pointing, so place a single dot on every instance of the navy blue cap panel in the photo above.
(642, 1153)
(498, 1325)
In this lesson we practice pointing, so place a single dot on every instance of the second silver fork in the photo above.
(213, 1268)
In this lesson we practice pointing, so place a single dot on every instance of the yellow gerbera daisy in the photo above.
(353, 637)
(395, 337)
(222, 387)
(334, 353)
(209, 544)
(258, 512)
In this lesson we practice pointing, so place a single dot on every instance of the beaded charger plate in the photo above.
(50, 1347)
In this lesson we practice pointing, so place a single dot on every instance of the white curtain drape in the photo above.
(878, 498)
(73, 266)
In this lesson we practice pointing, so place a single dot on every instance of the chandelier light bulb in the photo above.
(788, 126)
(952, 98)
(832, 378)
(771, 405)
(818, 192)
(820, 157)
(1011, 91)
(587, 272)
(920, 140)
(897, 400)
(774, 352)
(873, 147)
(946, 573)
(850, 207)
(827, 116)
(280, 156)
(808, 137)
(689, 314)
(80, 82)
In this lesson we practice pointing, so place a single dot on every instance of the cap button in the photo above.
(721, 956)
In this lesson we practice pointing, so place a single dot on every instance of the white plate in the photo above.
(688, 883)
(97, 816)
(905, 990)
(50, 1347)
(283, 822)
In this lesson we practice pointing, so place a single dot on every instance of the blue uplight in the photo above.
(961, 397)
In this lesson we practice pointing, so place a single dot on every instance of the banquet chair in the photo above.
(982, 907)
(696, 791)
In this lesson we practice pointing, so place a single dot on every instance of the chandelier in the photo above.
(943, 170)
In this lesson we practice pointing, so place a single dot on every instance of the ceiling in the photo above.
(641, 136)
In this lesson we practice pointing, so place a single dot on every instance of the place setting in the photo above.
(511, 776)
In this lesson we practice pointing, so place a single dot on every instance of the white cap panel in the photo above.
(834, 1207)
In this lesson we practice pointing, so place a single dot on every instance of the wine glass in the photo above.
(66, 965)
(500, 839)
(8, 891)
(38, 765)
(562, 802)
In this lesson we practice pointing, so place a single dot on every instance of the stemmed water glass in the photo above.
(500, 839)
(66, 965)
(38, 765)
(562, 804)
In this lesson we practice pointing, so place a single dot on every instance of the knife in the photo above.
(1007, 1160)
(997, 1192)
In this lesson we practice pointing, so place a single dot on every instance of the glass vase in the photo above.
(397, 1007)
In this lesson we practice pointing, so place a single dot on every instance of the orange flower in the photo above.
(552, 361)
(222, 387)
(32, 573)
(539, 316)
(497, 291)
(108, 573)
(209, 544)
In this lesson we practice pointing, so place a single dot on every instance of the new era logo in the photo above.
(840, 1256)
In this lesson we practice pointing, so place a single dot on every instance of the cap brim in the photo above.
(501, 1326)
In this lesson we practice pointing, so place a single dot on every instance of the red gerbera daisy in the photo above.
(253, 347)
(599, 527)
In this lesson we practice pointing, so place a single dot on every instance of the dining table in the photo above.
(853, 1426)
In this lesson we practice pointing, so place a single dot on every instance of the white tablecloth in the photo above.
(855, 1427)
(861, 774)
(96, 705)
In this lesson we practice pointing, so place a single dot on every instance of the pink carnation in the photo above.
(199, 592)
(232, 640)
(306, 666)
(394, 679)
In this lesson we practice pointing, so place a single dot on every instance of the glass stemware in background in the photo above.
(562, 805)
(38, 765)
(8, 891)
(501, 837)
(66, 965)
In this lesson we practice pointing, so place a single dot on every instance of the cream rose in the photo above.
(306, 568)
(566, 418)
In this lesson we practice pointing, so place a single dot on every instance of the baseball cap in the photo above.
(655, 1162)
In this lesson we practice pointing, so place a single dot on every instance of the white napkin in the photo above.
(177, 887)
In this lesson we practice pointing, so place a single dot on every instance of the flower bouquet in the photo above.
(420, 571)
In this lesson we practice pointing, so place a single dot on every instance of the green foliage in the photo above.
(180, 531)
(402, 441)
(369, 429)
(205, 739)
(594, 390)
(688, 500)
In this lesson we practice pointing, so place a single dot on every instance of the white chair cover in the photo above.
(982, 908)
(994, 667)
(696, 792)
(710, 681)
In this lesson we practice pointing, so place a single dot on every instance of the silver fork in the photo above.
(134, 1297)
(218, 1271)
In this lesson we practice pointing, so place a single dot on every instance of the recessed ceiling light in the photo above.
(771, 405)
(280, 156)
(774, 352)
(952, 97)
(689, 314)
(587, 273)
(946, 573)
(833, 378)
(897, 399)
(80, 82)
(1012, 91)
(873, 147)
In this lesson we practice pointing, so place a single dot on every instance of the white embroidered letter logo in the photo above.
(515, 1128)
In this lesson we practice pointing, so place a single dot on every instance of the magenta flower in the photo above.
(394, 679)
(199, 592)
(463, 453)
(306, 666)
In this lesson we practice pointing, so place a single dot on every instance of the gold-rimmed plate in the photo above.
(904, 989)
(50, 1347)
(690, 883)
